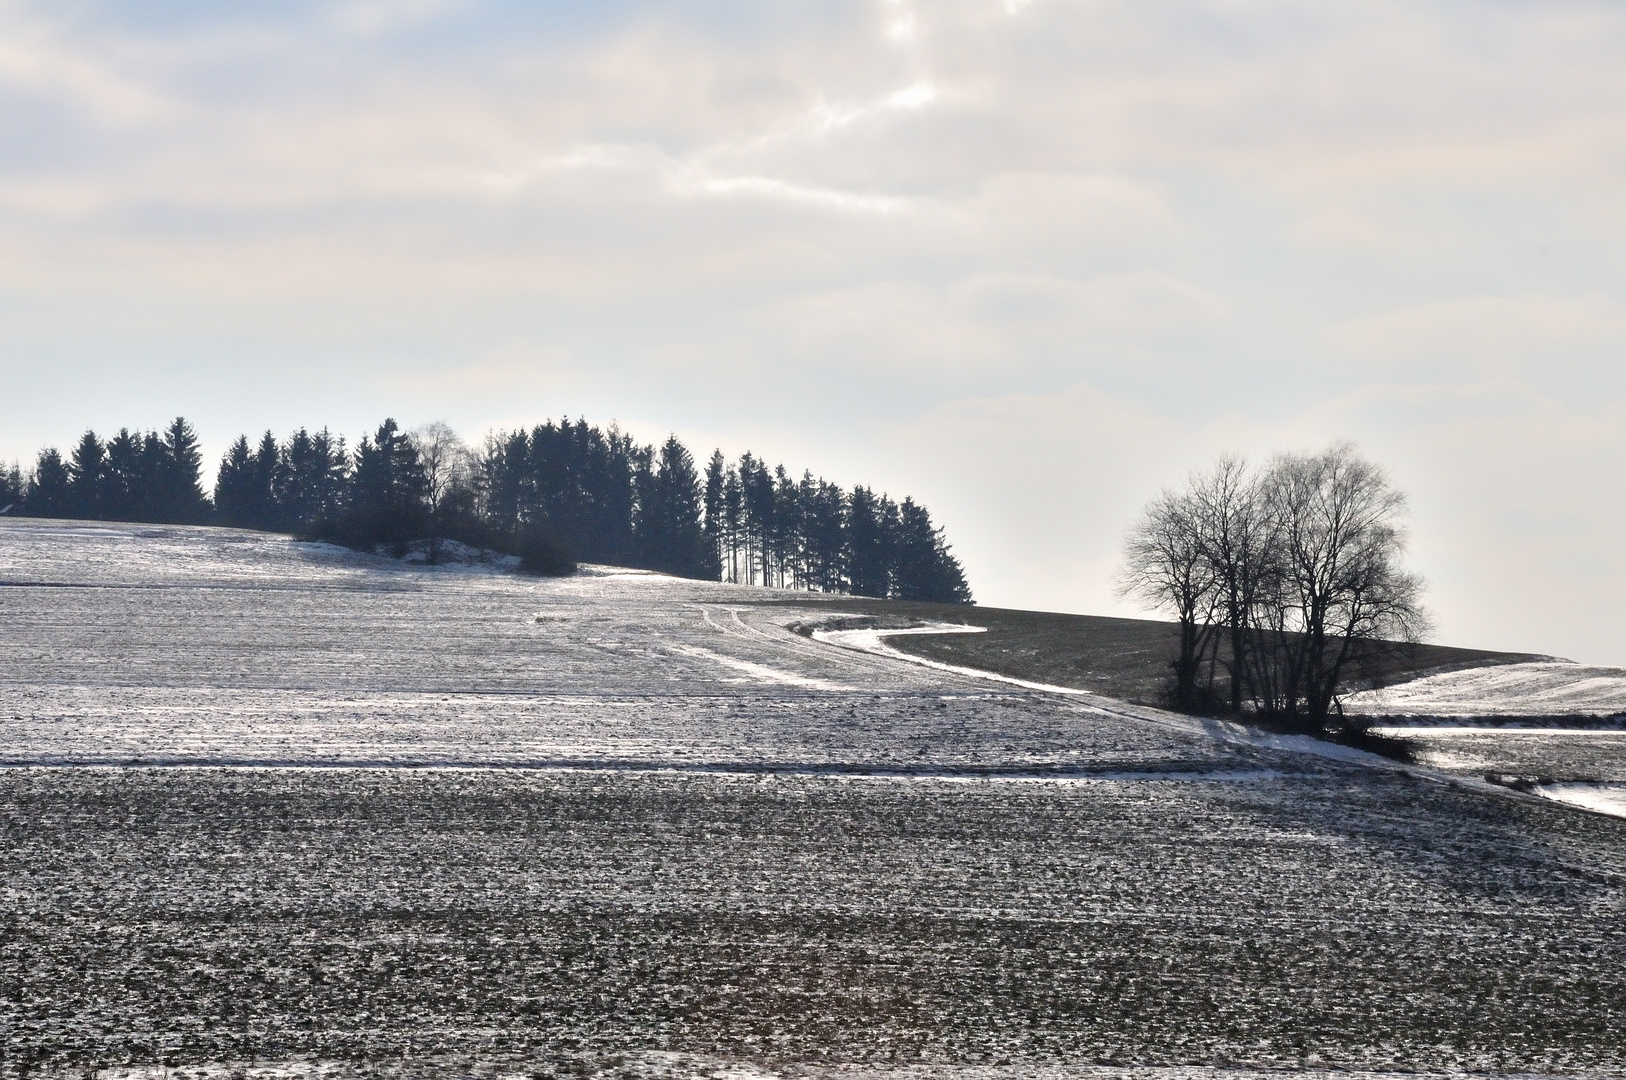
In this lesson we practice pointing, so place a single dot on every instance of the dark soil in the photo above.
(1357, 920)
(1123, 658)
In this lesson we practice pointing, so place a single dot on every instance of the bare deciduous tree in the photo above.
(1165, 566)
(448, 470)
(1297, 564)
(1237, 540)
(448, 465)
(1340, 582)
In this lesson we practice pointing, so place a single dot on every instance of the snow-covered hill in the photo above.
(279, 803)
(1539, 689)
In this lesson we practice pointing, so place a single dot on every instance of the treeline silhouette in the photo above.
(553, 494)
(133, 476)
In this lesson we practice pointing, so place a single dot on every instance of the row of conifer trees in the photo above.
(557, 492)
(133, 476)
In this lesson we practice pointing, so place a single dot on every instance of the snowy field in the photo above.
(1557, 726)
(281, 810)
(1554, 689)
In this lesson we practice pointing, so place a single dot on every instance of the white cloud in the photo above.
(1477, 336)
(1082, 245)
(770, 188)
(32, 61)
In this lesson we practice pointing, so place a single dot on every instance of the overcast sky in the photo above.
(1026, 260)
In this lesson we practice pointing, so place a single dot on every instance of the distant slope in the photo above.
(1122, 658)
(1538, 689)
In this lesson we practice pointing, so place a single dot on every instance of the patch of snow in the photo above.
(455, 553)
(603, 571)
(1458, 731)
(1546, 688)
(874, 641)
(758, 671)
(1601, 798)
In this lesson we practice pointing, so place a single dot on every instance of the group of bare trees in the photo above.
(1284, 581)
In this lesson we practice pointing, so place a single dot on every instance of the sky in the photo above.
(1028, 261)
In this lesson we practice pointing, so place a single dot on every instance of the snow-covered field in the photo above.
(1556, 688)
(280, 803)
(169, 647)
(1547, 724)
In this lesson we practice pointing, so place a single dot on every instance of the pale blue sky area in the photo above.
(1026, 260)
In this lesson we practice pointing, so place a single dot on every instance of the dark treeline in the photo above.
(553, 494)
(133, 476)
(766, 528)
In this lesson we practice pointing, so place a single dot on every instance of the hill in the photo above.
(1122, 658)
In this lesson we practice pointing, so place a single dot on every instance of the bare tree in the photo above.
(1341, 540)
(1237, 540)
(1165, 566)
(448, 465)
(449, 469)
(1301, 566)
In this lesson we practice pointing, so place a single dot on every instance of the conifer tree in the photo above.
(866, 543)
(309, 479)
(387, 473)
(924, 567)
(49, 493)
(292, 485)
(327, 478)
(11, 488)
(265, 513)
(234, 485)
(151, 496)
(180, 476)
(825, 546)
(505, 476)
(669, 533)
(716, 477)
(125, 491)
(733, 520)
(87, 477)
(789, 521)
(758, 486)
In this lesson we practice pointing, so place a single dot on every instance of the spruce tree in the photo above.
(11, 489)
(733, 521)
(87, 477)
(671, 535)
(504, 473)
(180, 476)
(866, 544)
(329, 475)
(48, 493)
(120, 496)
(787, 528)
(388, 478)
(234, 485)
(716, 478)
(308, 479)
(925, 569)
(151, 498)
(827, 569)
(760, 505)
(294, 483)
(265, 512)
